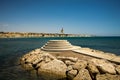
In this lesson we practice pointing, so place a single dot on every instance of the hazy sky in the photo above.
(97, 17)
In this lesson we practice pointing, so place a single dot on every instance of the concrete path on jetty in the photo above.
(64, 45)
(98, 54)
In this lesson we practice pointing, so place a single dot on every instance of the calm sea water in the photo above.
(12, 49)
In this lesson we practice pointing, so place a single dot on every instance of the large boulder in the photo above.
(31, 56)
(53, 70)
(104, 66)
(107, 77)
(97, 61)
(80, 64)
(83, 75)
(107, 68)
(43, 57)
(92, 69)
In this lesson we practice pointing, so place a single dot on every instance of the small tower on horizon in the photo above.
(62, 31)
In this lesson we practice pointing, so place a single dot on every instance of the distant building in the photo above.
(62, 31)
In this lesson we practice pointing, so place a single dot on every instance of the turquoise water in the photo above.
(11, 49)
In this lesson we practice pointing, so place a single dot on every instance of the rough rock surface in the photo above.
(118, 69)
(83, 75)
(68, 62)
(67, 58)
(107, 77)
(71, 74)
(80, 64)
(104, 66)
(28, 66)
(69, 68)
(107, 68)
(44, 66)
(92, 68)
(53, 70)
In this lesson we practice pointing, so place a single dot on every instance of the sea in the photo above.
(11, 49)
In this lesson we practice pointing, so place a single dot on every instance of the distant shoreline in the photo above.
(37, 35)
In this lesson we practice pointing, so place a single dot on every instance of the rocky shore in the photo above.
(69, 65)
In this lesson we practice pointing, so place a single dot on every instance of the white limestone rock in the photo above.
(67, 58)
(107, 68)
(107, 77)
(80, 64)
(104, 66)
(83, 75)
(92, 68)
(53, 70)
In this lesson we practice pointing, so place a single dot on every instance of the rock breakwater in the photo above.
(46, 66)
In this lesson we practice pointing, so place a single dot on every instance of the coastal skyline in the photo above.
(95, 17)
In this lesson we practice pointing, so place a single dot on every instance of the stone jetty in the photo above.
(58, 45)
(70, 62)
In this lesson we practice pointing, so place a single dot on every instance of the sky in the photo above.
(95, 17)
